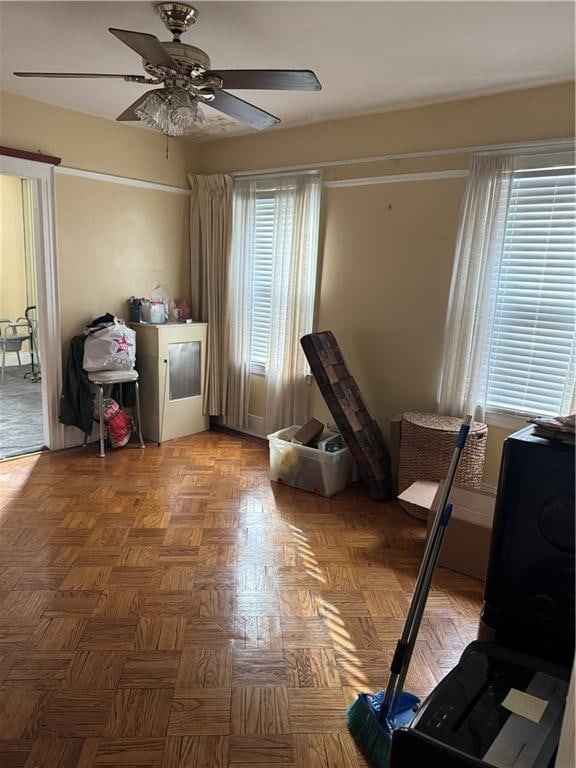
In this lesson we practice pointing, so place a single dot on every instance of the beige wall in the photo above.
(93, 143)
(116, 241)
(535, 113)
(113, 241)
(384, 287)
(12, 261)
(387, 249)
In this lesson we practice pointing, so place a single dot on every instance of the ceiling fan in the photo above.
(184, 73)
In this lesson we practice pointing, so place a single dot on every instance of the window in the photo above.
(271, 294)
(265, 246)
(262, 278)
(510, 342)
(531, 349)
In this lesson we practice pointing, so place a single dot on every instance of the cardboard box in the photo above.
(395, 434)
(466, 545)
(308, 433)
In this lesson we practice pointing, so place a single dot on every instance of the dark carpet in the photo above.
(21, 429)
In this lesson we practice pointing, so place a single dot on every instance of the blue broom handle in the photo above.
(421, 605)
(405, 647)
(413, 619)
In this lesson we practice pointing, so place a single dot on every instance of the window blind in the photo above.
(262, 277)
(531, 353)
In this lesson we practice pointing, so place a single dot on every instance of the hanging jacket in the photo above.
(77, 397)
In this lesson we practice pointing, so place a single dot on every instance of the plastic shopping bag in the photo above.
(112, 348)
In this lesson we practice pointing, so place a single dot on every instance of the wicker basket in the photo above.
(427, 442)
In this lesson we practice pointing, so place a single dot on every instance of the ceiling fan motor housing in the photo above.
(177, 17)
(193, 62)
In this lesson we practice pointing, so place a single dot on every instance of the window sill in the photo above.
(506, 420)
(258, 369)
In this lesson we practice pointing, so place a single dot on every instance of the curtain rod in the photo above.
(527, 145)
(265, 175)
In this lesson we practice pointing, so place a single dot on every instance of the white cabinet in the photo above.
(171, 361)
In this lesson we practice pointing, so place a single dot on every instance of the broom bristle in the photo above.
(370, 735)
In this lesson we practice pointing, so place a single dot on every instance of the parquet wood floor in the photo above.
(167, 608)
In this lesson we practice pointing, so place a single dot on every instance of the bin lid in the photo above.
(439, 422)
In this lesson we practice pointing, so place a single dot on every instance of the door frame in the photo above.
(41, 177)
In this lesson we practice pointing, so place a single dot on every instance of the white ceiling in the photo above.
(368, 56)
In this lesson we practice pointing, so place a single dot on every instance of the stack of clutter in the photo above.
(110, 347)
(311, 458)
(555, 427)
(361, 433)
(314, 434)
(159, 308)
(104, 355)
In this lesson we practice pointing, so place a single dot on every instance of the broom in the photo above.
(373, 718)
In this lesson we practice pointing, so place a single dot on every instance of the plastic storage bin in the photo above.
(308, 468)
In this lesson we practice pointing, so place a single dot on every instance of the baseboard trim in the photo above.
(255, 425)
(241, 433)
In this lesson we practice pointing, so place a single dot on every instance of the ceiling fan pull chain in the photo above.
(167, 147)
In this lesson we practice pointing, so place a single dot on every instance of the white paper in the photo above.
(524, 704)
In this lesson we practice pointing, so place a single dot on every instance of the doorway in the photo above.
(30, 347)
(21, 422)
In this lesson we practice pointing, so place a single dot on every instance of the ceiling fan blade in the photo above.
(147, 46)
(130, 112)
(135, 78)
(242, 110)
(269, 79)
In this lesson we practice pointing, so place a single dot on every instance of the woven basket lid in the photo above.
(438, 422)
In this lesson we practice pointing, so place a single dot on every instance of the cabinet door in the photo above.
(184, 369)
(183, 354)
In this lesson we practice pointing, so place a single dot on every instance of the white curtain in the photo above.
(210, 235)
(240, 303)
(474, 283)
(295, 266)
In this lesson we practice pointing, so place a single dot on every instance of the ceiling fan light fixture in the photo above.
(173, 111)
